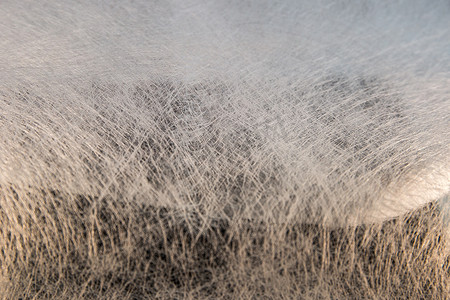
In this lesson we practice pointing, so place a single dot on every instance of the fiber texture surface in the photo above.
(322, 113)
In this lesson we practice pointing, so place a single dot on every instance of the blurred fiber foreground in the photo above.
(224, 149)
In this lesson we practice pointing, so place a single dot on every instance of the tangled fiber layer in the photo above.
(184, 149)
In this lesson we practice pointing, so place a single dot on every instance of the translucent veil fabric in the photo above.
(331, 112)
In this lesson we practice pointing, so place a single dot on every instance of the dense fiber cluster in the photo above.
(222, 149)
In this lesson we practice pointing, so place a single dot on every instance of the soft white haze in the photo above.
(322, 105)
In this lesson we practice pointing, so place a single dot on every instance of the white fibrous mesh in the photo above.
(317, 112)
(308, 110)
